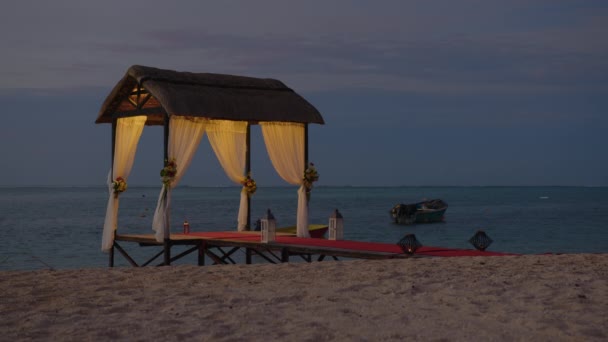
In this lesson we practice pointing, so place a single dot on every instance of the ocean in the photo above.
(60, 228)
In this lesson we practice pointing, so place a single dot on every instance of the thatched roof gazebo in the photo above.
(157, 93)
(189, 105)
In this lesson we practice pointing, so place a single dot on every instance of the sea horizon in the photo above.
(316, 186)
(63, 225)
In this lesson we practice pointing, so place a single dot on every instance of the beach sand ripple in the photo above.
(544, 297)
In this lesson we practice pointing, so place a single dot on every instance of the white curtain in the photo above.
(128, 132)
(285, 145)
(229, 142)
(185, 135)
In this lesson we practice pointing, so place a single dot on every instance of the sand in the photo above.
(532, 298)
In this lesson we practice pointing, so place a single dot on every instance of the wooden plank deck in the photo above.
(212, 245)
(251, 241)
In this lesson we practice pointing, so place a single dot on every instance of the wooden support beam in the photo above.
(248, 256)
(132, 102)
(226, 255)
(143, 102)
(184, 253)
(142, 90)
(162, 251)
(263, 256)
(167, 252)
(216, 259)
(138, 102)
(111, 255)
(124, 254)
(274, 255)
(306, 257)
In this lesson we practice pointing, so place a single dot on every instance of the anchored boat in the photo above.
(421, 212)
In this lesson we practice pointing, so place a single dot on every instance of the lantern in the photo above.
(269, 227)
(336, 226)
(409, 244)
(480, 240)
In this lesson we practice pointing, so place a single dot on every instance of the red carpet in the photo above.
(383, 247)
(352, 245)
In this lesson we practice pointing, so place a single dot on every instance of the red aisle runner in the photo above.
(351, 245)
(383, 247)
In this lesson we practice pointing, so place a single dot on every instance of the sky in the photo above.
(413, 93)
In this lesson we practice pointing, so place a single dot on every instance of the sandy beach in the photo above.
(533, 298)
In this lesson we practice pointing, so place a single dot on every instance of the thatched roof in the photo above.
(214, 96)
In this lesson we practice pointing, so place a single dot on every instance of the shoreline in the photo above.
(530, 297)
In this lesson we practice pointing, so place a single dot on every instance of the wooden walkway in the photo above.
(220, 248)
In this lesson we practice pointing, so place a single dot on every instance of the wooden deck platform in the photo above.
(219, 247)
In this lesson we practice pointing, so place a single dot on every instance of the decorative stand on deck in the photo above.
(336, 226)
(269, 227)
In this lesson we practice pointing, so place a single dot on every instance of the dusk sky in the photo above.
(474, 92)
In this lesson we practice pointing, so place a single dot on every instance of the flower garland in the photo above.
(119, 185)
(249, 185)
(310, 175)
(168, 173)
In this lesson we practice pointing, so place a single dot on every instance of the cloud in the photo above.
(484, 47)
(522, 61)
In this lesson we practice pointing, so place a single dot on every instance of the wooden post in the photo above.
(111, 263)
(114, 123)
(201, 254)
(305, 147)
(167, 252)
(166, 138)
(284, 254)
(166, 233)
(248, 256)
(304, 171)
(247, 171)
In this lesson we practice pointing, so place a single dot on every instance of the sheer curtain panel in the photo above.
(185, 135)
(229, 142)
(285, 145)
(128, 132)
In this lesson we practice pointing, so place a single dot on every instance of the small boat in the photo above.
(421, 212)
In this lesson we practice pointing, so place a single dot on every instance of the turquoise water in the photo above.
(61, 227)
